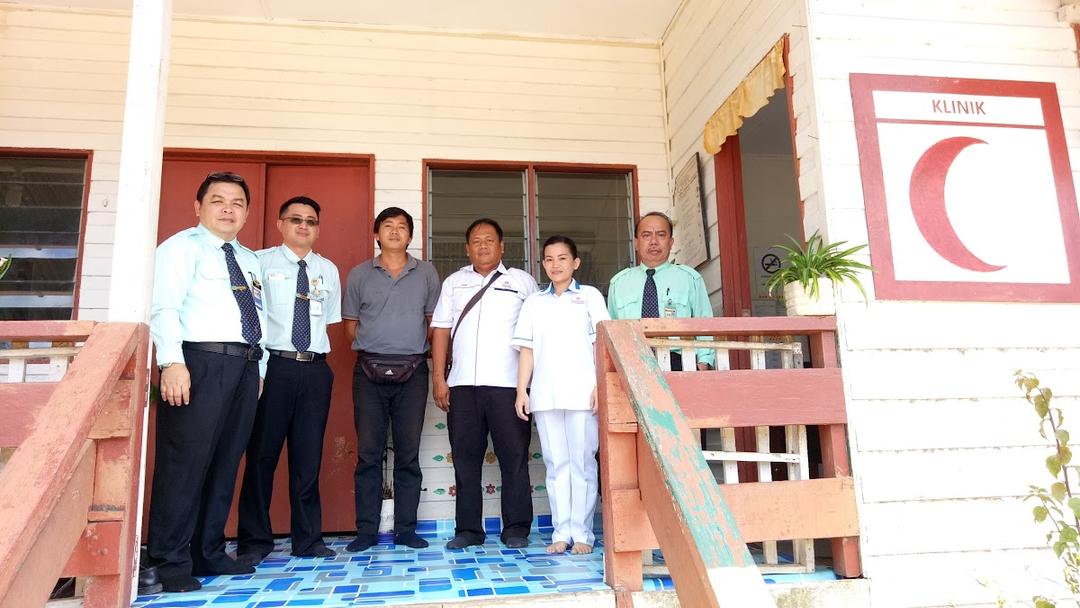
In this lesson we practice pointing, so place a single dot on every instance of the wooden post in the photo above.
(618, 476)
(834, 457)
(136, 237)
(140, 162)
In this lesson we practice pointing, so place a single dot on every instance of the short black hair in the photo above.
(299, 200)
(390, 212)
(227, 177)
(481, 222)
(670, 226)
(555, 239)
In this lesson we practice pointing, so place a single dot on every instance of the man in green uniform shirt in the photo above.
(659, 288)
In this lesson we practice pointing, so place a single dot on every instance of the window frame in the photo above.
(530, 169)
(80, 248)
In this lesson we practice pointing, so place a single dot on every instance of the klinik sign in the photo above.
(968, 189)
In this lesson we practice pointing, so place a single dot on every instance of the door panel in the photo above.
(180, 180)
(345, 238)
(343, 192)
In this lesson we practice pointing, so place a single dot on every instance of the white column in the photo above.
(140, 162)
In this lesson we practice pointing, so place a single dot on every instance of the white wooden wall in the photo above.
(944, 448)
(707, 51)
(402, 96)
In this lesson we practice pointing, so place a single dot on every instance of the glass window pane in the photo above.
(456, 198)
(40, 213)
(593, 209)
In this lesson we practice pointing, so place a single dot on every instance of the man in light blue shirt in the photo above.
(207, 322)
(659, 288)
(302, 294)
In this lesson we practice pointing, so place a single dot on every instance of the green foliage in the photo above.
(816, 261)
(1057, 506)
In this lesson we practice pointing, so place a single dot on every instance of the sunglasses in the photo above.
(297, 220)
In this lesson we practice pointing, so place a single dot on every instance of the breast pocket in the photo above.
(280, 291)
(506, 302)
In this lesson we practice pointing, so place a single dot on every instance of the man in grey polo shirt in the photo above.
(388, 304)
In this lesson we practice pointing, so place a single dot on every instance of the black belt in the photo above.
(233, 349)
(298, 356)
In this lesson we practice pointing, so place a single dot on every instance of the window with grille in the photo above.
(41, 205)
(593, 208)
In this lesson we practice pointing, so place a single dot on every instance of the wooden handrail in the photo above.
(68, 494)
(658, 489)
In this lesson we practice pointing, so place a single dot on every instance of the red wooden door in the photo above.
(345, 238)
(344, 193)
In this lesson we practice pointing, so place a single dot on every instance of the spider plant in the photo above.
(817, 261)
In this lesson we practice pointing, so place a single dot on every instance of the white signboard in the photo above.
(691, 246)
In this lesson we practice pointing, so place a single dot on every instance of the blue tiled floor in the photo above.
(389, 575)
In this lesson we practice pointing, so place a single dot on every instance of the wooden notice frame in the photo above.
(691, 241)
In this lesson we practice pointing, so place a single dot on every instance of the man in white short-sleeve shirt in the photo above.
(478, 396)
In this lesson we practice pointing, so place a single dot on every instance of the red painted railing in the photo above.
(657, 487)
(68, 493)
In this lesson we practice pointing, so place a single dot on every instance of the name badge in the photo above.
(669, 311)
(256, 293)
(315, 307)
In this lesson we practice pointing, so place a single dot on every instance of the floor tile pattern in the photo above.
(390, 575)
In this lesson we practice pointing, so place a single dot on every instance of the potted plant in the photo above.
(808, 273)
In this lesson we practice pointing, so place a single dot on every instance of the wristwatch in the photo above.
(161, 368)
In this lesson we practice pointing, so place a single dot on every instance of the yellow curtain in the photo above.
(750, 96)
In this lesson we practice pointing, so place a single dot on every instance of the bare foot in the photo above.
(558, 547)
(581, 549)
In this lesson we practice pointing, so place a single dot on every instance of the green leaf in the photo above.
(1059, 548)
(1068, 534)
(1042, 407)
(1053, 465)
(1040, 514)
(1065, 454)
(1062, 436)
(1074, 504)
(1058, 491)
(1041, 602)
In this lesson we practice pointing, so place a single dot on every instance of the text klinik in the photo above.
(953, 106)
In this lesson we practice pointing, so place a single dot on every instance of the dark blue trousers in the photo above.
(294, 408)
(197, 452)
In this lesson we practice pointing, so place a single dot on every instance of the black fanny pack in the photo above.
(389, 369)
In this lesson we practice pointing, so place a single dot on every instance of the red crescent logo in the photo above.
(927, 194)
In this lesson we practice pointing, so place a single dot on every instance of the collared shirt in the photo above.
(561, 331)
(279, 268)
(192, 296)
(680, 293)
(391, 311)
(482, 353)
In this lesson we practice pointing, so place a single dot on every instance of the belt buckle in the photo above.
(253, 354)
(305, 356)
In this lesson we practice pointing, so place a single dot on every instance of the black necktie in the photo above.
(301, 322)
(249, 318)
(650, 307)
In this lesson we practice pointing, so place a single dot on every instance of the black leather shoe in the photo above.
(249, 559)
(318, 551)
(410, 539)
(224, 565)
(461, 541)
(362, 542)
(516, 542)
(149, 581)
(180, 584)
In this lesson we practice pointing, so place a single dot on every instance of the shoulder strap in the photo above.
(469, 306)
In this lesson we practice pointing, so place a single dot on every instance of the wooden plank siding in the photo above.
(942, 445)
(402, 96)
(707, 51)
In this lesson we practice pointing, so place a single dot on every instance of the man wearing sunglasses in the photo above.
(303, 296)
(208, 325)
